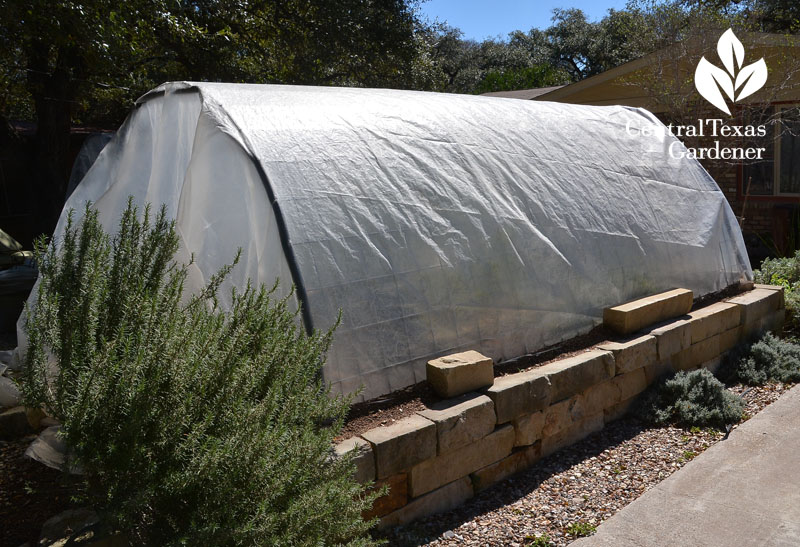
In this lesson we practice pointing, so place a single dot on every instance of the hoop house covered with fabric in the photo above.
(435, 222)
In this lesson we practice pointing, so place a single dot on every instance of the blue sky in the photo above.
(480, 19)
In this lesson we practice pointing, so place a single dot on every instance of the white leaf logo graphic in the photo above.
(728, 48)
(708, 80)
(753, 77)
(711, 81)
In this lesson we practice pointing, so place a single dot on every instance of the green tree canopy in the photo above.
(68, 61)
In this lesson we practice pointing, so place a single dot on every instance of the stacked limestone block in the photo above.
(487, 429)
(704, 336)
(763, 309)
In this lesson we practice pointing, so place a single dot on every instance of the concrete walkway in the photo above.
(740, 492)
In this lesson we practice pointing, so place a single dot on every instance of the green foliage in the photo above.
(585, 48)
(779, 271)
(580, 529)
(538, 541)
(782, 16)
(570, 49)
(786, 273)
(771, 358)
(689, 399)
(521, 78)
(194, 425)
(64, 63)
(103, 54)
(463, 64)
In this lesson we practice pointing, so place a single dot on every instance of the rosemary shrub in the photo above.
(194, 425)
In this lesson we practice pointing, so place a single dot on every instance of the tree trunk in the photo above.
(52, 89)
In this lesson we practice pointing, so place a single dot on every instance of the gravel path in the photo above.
(570, 493)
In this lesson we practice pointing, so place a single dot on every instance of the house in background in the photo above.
(764, 193)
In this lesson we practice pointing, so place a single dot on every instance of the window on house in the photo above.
(788, 172)
(779, 173)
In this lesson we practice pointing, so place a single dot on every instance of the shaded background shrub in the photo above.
(194, 425)
(769, 359)
(786, 273)
(693, 398)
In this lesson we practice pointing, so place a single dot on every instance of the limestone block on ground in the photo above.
(528, 428)
(445, 498)
(433, 473)
(757, 303)
(632, 353)
(460, 373)
(572, 375)
(17, 422)
(631, 384)
(520, 393)
(672, 337)
(400, 446)
(461, 421)
(632, 316)
(562, 415)
(571, 435)
(697, 354)
(714, 319)
(364, 458)
(601, 396)
(519, 460)
(395, 498)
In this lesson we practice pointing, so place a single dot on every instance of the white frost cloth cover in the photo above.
(90, 149)
(435, 222)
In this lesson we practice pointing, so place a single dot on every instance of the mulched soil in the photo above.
(583, 484)
(387, 409)
(30, 493)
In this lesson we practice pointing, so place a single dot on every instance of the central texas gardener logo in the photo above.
(736, 82)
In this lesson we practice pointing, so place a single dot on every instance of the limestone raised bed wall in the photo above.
(440, 457)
